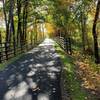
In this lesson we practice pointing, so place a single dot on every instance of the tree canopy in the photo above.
(78, 19)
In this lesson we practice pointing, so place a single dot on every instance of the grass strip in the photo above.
(71, 81)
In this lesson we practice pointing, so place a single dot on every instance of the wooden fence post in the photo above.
(6, 50)
(70, 48)
(0, 57)
(0, 48)
(66, 44)
(14, 45)
(21, 46)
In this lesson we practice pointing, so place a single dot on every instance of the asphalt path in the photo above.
(34, 76)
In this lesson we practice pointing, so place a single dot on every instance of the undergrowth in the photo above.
(81, 74)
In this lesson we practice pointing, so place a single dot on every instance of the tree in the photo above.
(95, 36)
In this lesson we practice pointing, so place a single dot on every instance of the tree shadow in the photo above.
(41, 67)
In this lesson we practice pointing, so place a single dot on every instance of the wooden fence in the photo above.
(9, 50)
(65, 43)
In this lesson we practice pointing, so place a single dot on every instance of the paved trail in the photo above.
(35, 76)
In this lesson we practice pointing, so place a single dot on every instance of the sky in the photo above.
(1, 5)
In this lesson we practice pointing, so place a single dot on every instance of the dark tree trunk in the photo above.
(0, 48)
(96, 50)
(25, 12)
(7, 21)
(12, 27)
(19, 29)
(83, 28)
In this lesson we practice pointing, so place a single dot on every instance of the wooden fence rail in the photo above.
(9, 50)
(65, 43)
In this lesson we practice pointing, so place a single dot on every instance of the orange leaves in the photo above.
(50, 29)
(90, 78)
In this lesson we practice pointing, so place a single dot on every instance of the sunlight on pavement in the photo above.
(17, 92)
(36, 76)
(43, 97)
(47, 41)
(31, 73)
(21, 90)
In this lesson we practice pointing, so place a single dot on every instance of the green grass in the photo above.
(71, 81)
(4, 64)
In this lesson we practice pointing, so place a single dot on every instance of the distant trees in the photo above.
(7, 19)
(70, 14)
(70, 17)
(22, 18)
(19, 16)
(22, 14)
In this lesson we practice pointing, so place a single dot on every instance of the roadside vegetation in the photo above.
(81, 76)
(26, 22)
(4, 64)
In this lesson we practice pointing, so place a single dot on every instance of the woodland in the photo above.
(27, 22)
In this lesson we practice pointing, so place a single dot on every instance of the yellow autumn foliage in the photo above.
(50, 29)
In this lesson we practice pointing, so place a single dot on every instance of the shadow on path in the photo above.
(35, 76)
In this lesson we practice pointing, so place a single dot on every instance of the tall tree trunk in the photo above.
(25, 15)
(19, 30)
(35, 30)
(12, 26)
(7, 21)
(83, 30)
(96, 50)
